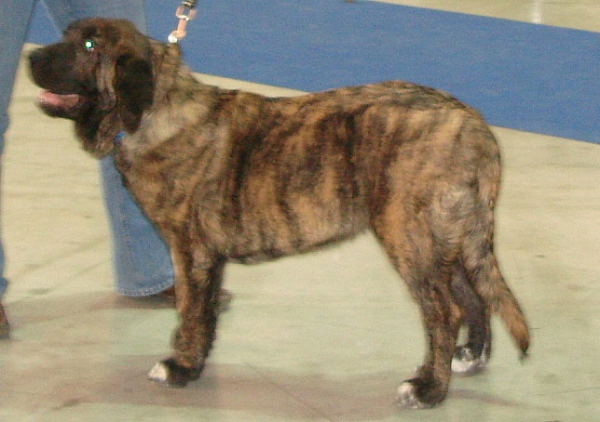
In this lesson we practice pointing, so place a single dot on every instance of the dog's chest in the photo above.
(161, 186)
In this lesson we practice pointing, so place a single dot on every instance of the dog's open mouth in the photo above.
(60, 105)
(58, 100)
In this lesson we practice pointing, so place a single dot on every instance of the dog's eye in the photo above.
(89, 45)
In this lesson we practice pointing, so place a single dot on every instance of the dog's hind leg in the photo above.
(197, 300)
(441, 318)
(428, 277)
(474, 353)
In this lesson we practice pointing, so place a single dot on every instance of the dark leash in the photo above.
(185, 13)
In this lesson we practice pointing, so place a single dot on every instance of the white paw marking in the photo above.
(462, 366)
(407, 398)
(467, 363)
(159, 373)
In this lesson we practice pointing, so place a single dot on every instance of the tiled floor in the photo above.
(322, 337)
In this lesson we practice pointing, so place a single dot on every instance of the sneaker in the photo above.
(4, 326)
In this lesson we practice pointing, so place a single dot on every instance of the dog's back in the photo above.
(301, 172)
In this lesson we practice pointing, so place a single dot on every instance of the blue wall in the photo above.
(523, 76)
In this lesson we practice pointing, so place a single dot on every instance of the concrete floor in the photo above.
(322, 337)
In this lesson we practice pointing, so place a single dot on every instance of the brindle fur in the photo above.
(235, 176)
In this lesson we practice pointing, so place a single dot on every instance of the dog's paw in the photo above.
(421, 393)
(407, 396)
(465, 361)
(169, 373)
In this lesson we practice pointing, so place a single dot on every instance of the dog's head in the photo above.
(100, 75)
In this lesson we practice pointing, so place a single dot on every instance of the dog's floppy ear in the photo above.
(134, 88)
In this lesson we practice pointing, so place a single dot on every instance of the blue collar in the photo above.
(119, 138)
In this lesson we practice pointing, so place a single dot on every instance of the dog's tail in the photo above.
(492, 288)
(478, 253)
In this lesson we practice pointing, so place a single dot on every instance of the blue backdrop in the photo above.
(523, 76)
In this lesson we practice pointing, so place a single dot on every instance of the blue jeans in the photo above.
(141, 259)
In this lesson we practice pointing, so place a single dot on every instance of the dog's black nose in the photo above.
(36, 67)
(34, 57)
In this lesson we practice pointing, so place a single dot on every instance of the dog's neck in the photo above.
(170, 111)
(167, 67)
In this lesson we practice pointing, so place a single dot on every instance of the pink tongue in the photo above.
(49, 98)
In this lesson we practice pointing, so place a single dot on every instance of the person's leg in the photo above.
(14, 21)
(142, 264)
(141, 260)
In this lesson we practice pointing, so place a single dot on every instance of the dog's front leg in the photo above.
(197, 298)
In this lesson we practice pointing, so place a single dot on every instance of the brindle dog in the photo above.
(235, 176)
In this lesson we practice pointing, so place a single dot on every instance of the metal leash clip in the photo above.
(185, 12)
